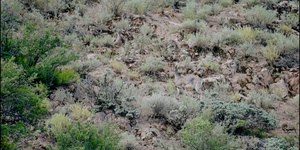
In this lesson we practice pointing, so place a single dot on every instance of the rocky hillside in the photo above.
(103, 74)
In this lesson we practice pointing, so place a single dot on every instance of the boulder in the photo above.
(280, 86)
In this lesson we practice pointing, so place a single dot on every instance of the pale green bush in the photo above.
(247, 49)
(189, 25)
(80, 112)
(137, 6)
(251, 3)
(58, 123)
(128, 141)
(225, 3)
(141, 42)
(145, 29)
(290, 19)
(201, 40)
(216, 8)
(107, 41)
(203, 12)
(259, 16)
(190, 10)
(152, 64)
(231, 36)
(295, 100)
(122, 25)
(114, 6)
(262, 99)
(247, 33)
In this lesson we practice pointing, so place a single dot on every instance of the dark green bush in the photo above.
(21, 101)
(242, 118)
(200, 133)
(87, 136)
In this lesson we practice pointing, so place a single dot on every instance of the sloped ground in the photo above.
(244, 74)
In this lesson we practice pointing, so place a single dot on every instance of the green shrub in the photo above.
(21, 102)
(216, 8)
(115, 6)
(231, 36)
(275, 143)
(271, 52)
(247, 49)
(200, 133)
(208, 62)
(247, 34)
(261, 99)
(259, 16)
(58, 123)
(80, 112)
(242, 118)
(123, 24)
(65, 76)
(225, 3)
(87, 136)
(267, 3)
(113, 95)
(107, 41)
(201, 40)
(287, 30)
(152, 64)
(137, 6)
(141, 42)
(189, 25)
(190, 10)
(145, 29)
(290, 19)
(295, 100)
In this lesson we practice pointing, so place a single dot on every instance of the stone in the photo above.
(155, 132)
(281, 87)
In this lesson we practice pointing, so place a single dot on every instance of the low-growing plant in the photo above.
(190, 10)
(113, 95)
(248, 49)
(80, 112)
(295, 100)
(216, 8)
(200, 133)
(267, 3)
(128, 141)
(259, 16)
(286, 29)
(65, 76)
(189, 25)
(248, 34)
(87, 65)
(133, 74)
(58, 123)
(137, 6)
(107, 41)
(291, 19)
(275, 143)
(208, 62)
(115, 6)
(145, 29)
(201, 40)
(118, 66)
(261, 98)
(203, 12)
(241, 118)
(87, 136)
(231, 36)
(225, 3)
(152, 65)
(122, 24)
(271, 52)
(141, 42)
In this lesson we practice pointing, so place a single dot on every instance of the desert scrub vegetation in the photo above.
(241, 118)
(259, 16)
(21, 102)
(117, 66)
(193, 10)
(152, 65)
(271, 52)
(80, 112)
(71, 134)
(247, 33)
(200, 133)
(115, 94)
(291, 19)
(251, 3)
(123, 24)
(115, 6)
(65, 76)
(169, 109)
(225, 3)
(210, 62)
(248, 49)
(261, 98)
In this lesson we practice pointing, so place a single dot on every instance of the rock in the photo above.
(281, 87)
(155, 132)
(287, 127)
(229, 67)
(239, 81)
(265, 76)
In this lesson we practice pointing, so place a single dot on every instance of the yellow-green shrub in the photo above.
(65, 76)
(117, 66)
(80, 112)
(271, 52)
(59, 122)
(248, 34)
